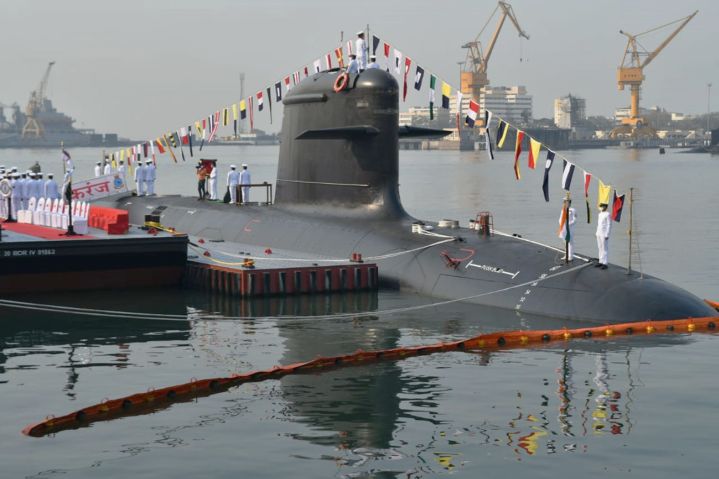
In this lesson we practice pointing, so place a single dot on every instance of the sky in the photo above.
(140, 68)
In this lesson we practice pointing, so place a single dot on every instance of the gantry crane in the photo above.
(631, 72)
(32, 127)
(474, 72)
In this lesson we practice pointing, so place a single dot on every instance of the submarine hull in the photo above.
(337, 193)
(498, 271)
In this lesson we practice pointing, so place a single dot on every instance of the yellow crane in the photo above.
(32, 127)
(631, 73)
(473, 76)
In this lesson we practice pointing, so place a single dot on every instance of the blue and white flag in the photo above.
(567, 175)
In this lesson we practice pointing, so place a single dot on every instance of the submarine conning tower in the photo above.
(341, 148)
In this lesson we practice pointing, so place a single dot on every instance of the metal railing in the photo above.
(268, 192)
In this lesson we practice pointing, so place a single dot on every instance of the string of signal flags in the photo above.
(400, 65)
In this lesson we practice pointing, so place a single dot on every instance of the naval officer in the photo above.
(361, 50)
(150, 177)
(245, 182)
(24, 190)
(604, 227)
(233, 179)
(98, 169)
(121, 168)
(353, 65)
(16, 195)
(213, 182)
(140, 180)
(108, 168)
(39, 186)
(373, 63)
(51, 191)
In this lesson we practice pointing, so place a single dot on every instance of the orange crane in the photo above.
(32, 127)
(474, 72)
(631, 72)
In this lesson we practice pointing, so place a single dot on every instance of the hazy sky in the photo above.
(143, 67)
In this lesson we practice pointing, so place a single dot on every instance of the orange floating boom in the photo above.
(154, 400)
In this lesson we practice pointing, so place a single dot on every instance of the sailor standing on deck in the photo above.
(233, 179)
(108, 168)
(23, 186)
(150, 176)
(353, 65)
(245, 181)
(373, 63)
(51, 191)
(121, 168)
(39, 186)
(213, 182)
(140, 180)
(16, 195)
(98, 169)
(604, 227)
(361, 50)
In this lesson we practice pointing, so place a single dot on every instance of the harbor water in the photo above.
(627, 407)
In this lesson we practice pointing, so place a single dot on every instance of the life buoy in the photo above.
(341, 82)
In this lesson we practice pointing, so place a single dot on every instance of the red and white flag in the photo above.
(307, 72)
(287, 83)
(472, 113)
(260, 101)
(397, 61)
(349, 48)
(407, 64)
(317, 66)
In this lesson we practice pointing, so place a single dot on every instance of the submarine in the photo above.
(337, 193)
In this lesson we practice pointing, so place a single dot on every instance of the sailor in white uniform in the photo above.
(245, 182)
(24, 185)
(39, 186)
(98, 169)
(233, 179)
(604, 227)
(140, 180)
(150, 176)
(373, 63)
(121, 168)
(51, 190)
(32, 189)
(569, 228)
(213, 182)
(361, 50)
(108, 168)
(353, 65)
(16, 195)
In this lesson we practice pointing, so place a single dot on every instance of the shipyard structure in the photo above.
(40, 125)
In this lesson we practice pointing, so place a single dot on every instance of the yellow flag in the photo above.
(534, 147)
(603, 193)
(113, 162)
(446, 92)
(225, 116)
(234, 111)
(198, 127)
(122, 155)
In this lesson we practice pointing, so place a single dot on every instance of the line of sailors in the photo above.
(26, 185)
(107, 168)
(358, 60)
(145, 177)
(236, 178)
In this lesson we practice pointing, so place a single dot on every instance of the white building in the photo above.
(512, 104)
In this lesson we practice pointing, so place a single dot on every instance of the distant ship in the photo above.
(42, 126)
